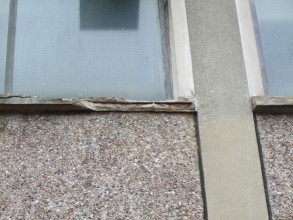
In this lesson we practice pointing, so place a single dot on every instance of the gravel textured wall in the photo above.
(276, 136)
(99, 165)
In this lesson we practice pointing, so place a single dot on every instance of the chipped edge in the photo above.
(24, 103)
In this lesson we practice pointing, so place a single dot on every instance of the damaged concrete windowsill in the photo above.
(272, 104)
(32, 104)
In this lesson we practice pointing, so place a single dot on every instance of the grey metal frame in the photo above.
(10, 47)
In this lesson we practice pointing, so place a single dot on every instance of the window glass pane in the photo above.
(275, 23)
(4, 11)
(89, 48)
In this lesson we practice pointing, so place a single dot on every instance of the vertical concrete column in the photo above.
(231, 164)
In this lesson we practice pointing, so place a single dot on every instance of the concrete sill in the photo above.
(36, 104)
(272, 104)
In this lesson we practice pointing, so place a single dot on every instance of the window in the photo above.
(93, 48)
(267, 38)
(274, 21)
(86, 48)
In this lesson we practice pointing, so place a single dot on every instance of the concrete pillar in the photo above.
(231, 164)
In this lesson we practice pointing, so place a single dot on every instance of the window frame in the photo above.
(250, 48)
(181, 63)
(181, 74)
(260, 100)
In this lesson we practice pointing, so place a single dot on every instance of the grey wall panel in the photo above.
(108, 166)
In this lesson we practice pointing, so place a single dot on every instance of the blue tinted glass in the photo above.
(275, 23)
(89, 48)
(109, 14)
(4, 11)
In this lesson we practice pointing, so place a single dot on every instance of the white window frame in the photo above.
(260, 100)
(252, 60)
(181, 63)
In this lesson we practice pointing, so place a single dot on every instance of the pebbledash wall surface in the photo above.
(224, 162)
(99, 166)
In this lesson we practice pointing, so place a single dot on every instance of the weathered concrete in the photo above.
(232, 171)
(272, 104)
(99, 166)
(276, 138)
(33, 104)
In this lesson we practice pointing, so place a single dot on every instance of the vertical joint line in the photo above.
(10, 46)
(263, 168)
(201, 171)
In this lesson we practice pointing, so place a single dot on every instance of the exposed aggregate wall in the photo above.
(276, 138)
(99, 165)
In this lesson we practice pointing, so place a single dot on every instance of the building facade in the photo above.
(221, 150)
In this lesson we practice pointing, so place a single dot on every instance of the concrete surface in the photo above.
(231, 163)
(271, 104)
(99, 166)
(276, 138)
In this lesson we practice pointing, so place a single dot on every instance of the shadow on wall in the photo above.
(109, 14)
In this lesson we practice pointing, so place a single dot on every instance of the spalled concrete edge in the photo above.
(272, 104)
(27, 103)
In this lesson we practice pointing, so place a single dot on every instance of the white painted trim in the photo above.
(249, 45)
(182, 73)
